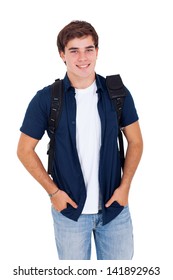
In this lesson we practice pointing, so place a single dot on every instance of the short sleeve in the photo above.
(36, 117)
(129, 112)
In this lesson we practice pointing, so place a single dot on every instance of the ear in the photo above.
(97, 50)
(62, 55)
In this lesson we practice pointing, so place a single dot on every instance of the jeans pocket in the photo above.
(116, 208)
(115, 204)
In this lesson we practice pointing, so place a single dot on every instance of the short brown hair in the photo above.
(75, 29)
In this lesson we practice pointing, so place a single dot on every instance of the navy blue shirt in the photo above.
(67, 170)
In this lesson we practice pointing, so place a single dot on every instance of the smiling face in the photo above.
(80, 56)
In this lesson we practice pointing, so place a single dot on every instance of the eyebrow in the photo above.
(88, 47)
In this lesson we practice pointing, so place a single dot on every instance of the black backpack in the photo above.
(117, 93)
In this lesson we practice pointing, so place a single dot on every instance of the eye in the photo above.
(90, 50)
(73, 51)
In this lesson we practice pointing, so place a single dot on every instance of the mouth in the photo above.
(83, 66)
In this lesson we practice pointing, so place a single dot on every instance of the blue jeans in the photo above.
(113, 241)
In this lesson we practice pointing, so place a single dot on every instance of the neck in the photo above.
(80, 82)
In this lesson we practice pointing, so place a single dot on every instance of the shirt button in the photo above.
(73, 122)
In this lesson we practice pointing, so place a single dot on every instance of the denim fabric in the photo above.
(113, 241)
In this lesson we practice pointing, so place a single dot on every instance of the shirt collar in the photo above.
(68, 86)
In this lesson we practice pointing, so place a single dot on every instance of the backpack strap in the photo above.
(117, 94)
(55, 113)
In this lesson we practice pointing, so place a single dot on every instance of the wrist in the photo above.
(54, 193)
(124, 186)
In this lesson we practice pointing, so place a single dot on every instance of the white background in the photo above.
(135, 41)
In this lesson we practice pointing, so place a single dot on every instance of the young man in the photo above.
(87, 192)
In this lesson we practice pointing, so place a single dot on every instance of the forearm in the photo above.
(29, 158)
(34, 166)
(132, 159)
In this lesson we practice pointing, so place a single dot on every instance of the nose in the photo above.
(82, 56)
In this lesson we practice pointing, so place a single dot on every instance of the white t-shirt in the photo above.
(88, 140)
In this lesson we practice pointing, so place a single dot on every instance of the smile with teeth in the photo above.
(83, 66)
